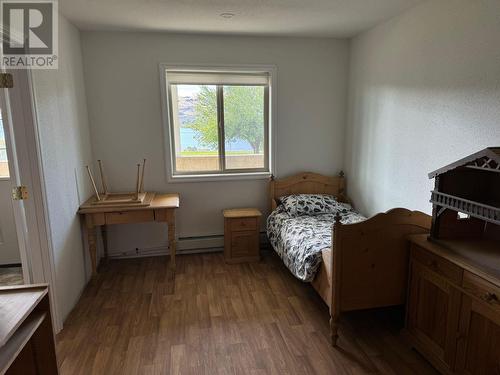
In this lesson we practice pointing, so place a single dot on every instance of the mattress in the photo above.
(299, 240)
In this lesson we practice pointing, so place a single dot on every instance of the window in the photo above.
(4, 163)
(219, 122)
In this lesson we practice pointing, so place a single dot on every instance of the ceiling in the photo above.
(327, 18)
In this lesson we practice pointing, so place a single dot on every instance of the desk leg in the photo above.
(91, 236)
(104, 234)
(172, 243)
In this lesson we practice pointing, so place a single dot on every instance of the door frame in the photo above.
(31, 215)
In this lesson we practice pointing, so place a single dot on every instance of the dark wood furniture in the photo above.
(453, 312)
(26, 335)
(162, 209)
(466, 198)
(368, 266)
(241, 235)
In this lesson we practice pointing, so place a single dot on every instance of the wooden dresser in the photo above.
(26, 336)
(453, 312)
(241, 235)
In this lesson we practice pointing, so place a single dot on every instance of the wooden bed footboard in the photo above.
(369, 261)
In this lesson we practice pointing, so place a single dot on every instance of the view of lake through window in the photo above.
(214, 119)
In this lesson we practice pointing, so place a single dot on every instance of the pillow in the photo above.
(309, 204)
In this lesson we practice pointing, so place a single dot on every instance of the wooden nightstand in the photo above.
(241, 235)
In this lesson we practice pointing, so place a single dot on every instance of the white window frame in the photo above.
(169, 147)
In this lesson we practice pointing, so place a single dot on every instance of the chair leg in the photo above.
(334, 327)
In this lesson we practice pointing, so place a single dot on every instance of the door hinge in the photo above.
(20, 193)
(6, 81)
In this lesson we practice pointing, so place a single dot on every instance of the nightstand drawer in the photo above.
(247, 223)
(244, 244)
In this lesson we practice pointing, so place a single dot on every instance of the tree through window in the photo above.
(219, 122)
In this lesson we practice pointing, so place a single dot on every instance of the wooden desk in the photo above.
(26, 336)
(161, 209)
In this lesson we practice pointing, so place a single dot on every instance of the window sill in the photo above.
(219, 177)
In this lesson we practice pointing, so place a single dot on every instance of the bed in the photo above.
(366, 267)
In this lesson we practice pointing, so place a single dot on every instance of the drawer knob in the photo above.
(490, 297)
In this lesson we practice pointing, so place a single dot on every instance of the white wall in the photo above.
(65, 146)
(123, 86)
(424, 91)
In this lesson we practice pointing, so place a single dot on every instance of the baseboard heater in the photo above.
(185, 245)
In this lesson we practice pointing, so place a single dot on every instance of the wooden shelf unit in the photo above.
(26, 335)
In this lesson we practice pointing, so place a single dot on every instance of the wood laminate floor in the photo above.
(213, 318)
(11, 276)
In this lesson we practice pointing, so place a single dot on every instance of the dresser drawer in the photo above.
(246, 223)
(437, 264)
(125, 217)
(480, 288)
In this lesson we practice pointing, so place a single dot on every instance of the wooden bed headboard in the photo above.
(307, 183)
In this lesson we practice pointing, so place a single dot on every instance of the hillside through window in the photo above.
(218, 122)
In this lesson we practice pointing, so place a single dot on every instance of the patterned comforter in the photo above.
(298, 240)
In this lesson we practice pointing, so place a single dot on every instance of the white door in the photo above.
(12, 221)
(9, 248)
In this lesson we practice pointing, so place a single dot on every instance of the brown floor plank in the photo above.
(138, 317)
